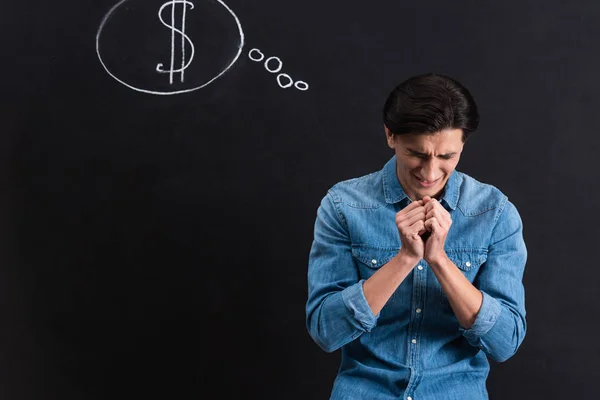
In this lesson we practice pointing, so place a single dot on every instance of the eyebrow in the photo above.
(418, 153)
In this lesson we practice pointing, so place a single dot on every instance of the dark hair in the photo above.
(429, 103)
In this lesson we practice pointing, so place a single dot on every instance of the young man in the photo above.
(415, 271)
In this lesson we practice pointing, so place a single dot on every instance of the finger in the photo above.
(437, 205)
(415, 229)
(419, 216)
(429, 205)
(433, 203)
(414, 211)
(442, 214)
(410, 207)
(402, 216)
(418, 228)
(429, 224)
(430, 213)
(434, 226)
(420, 225)
(440, 219)
(434, 212)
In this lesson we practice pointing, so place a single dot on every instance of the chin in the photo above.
(431, 193)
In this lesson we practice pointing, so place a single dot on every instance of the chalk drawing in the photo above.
(177, 22)
(184, 37)
(260, 54)
(288, 84)
(273, 71)
(185, 62)
(300, 85)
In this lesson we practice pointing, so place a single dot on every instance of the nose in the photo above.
(429, 170)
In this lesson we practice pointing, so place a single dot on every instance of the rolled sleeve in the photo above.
(355, 301)
(500, 325)
(337, 311)
(486, 318)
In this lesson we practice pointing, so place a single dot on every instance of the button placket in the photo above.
(420, 268)
(419, 287)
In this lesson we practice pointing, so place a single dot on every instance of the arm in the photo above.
(491, 312)
(500, 326)
(340, 305)
(465, 299)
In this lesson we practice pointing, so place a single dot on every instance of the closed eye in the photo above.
(424, 156)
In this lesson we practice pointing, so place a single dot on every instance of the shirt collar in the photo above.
(394, 193)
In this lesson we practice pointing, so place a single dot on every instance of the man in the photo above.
(415, 271)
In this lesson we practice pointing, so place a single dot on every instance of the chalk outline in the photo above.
(184, 37)
(296, 84)
(259, 52)
(286, 76)
(273, 58)
(301, 89)
(105, 19)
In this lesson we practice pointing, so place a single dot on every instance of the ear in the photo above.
(389, 136)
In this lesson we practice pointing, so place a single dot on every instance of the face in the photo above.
(425, 162)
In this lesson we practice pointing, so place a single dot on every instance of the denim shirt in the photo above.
(414, 348)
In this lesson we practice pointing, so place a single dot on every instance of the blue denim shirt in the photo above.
(414, 348)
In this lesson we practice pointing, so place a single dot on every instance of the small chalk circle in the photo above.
(273, 71)
(260, 54)
(290, 83)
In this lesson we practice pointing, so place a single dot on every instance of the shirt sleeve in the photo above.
(500, 325)
(337, 311)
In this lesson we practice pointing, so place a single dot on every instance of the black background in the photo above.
(157, 246)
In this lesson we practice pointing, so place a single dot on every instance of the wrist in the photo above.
(439, 261)
(406, 258)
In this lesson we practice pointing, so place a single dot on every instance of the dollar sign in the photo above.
(174, 32)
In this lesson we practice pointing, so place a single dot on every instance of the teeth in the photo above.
(424, 181)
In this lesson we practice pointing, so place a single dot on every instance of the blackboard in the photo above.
(155, 245)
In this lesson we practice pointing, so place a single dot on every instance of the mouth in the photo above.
(424, 183)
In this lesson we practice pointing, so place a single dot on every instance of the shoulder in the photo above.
(363, 192)
(477, 197)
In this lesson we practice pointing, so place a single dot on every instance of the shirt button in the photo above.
(374, 261)
(414, 341)
(409, 398)
(420, 267)
(468, 264)
(418, 310)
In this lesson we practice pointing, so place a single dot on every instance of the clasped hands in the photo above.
(423, 226)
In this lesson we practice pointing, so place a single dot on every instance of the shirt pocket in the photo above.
(468, 261)
(370, 258)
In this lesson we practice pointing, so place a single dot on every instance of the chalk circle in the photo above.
(287, 85)
(240, 34)
(300, 85)
(273, 71)
(262, 56)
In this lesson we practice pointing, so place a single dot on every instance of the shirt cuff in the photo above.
(355, 301)
(485, 320)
